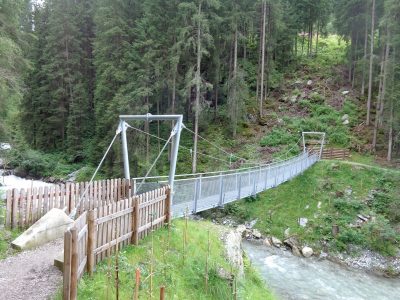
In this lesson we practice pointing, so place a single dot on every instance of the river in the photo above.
(292, 277)
(14, 182)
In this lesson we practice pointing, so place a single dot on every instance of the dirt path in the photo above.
(31, 274)
(362, 165)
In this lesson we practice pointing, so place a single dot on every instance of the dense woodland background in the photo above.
(68, 68)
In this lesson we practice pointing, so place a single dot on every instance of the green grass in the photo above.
(326, 183)
(183, 280)
(6, 237)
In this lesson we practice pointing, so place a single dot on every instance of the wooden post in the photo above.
(168, 207)
(162, 293)
(91, 241)
(15, 208)
(9, 208)
(74, 265)
(135, 222)
(67, 265)
(137, 284)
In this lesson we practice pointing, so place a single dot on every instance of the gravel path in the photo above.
(31, 274)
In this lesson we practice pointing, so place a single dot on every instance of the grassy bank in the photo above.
(6, 236)
(329, 194)
(181, 272)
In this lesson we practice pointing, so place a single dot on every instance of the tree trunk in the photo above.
(378, 102)
(235, 57)
(316, 45)
(198, 83)
(390, 136)
(264, 12)
(371, 59)
(353, 81)
(365, 54)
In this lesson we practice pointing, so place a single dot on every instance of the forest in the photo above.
(70, 67)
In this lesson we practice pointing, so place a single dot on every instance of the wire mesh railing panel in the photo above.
(205, 192)
(230, 188)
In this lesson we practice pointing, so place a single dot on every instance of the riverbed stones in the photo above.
(276, 242)
(241, 229)
(307, 251)
(267, 242)
(303, 222)
(233, 247)
(256, 234)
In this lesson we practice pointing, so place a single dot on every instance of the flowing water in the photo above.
(292, 277)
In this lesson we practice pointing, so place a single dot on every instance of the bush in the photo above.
(36, 164)
(278, 137)
(347, 206)
(351, 236)
(382, 237)
(317, 98)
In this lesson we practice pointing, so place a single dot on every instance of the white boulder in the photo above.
(48, 228)
(307, 251)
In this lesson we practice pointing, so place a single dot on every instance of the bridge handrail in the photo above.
(233, 171)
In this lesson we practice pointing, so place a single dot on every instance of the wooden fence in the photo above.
(335, 153)
(100, 232)
(25, 206)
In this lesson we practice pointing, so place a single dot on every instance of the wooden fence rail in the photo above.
(25, 206)
(98, 233)
(335, 153)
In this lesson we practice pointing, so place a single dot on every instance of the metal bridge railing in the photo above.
(205, 192)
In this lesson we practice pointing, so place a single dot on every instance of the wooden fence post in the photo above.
(74, 265)
(67, 265)
(91, 241)
(137, 284)
(168, 207)
(135, 222)
(162, 293)
(14, 207)
(9, 208)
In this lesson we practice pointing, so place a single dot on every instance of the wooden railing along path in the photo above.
(25, 206)
(100, 232)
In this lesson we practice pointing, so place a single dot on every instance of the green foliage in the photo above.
(278, 136)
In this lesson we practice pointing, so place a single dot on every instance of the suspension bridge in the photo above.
(193, 193)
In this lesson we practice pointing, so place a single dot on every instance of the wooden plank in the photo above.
(9, 208)
(15, 208)
(147, 226)
(167, 210)
(74, 265)
(155, 200)
(114, 215)
(91, 241)
(67, 265)
(40, 202)
(81, 267)
(27, 208)
(113, 243)
(82, 232)
(135, 221)
(45, 200)
(22, 208)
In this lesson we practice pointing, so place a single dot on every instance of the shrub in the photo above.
(278, 137)
(382, 236)
(351, 236)
(347, 206)
(36, 164)
(317, 98)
